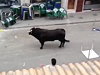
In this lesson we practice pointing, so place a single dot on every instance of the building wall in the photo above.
(64, 4)
(78, 6)
(25, 1)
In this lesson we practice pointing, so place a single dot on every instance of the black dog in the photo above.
(49, 35)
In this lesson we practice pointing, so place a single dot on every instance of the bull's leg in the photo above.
(63, 43)
(42, 43)
(60, 44)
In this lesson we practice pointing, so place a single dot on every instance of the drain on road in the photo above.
(80, 17)
(95, 14)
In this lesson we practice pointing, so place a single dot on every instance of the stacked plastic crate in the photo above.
(7, 19)
(51, 4)
(57, 4)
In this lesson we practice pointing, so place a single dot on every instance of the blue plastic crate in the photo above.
(57, 5)
(49, 6)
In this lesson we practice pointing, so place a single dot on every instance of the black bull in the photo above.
(44, 35)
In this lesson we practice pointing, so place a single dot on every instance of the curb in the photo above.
(54, 24)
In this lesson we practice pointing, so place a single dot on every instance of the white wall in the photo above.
(25, 1)
(64, 4)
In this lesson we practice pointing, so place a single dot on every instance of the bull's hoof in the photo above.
(62, 45)
(41, 47)
(59, 46)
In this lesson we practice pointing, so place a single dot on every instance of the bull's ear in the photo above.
(32, 29)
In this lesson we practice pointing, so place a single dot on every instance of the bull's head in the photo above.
(32, 31)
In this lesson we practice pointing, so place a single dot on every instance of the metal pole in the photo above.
(81, 47)
(89, 51)
(89, 54)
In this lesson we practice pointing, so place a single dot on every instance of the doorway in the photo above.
(80, 4)
(71, 4)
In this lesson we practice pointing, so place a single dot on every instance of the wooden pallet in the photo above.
(83, 68)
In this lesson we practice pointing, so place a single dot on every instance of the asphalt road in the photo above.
(18, 50)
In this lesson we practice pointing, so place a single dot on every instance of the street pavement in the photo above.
(18, 50)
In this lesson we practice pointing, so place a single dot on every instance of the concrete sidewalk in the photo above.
(90, 16)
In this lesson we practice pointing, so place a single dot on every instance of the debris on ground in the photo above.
(16, 37)
(95, 29)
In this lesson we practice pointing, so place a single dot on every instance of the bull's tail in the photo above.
(67, 40)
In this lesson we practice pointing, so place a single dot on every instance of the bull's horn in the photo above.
(34, 27)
